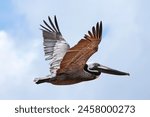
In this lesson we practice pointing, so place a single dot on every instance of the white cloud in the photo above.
(14, 66)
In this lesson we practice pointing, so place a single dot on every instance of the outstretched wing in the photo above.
(77, 56)
(55, 46)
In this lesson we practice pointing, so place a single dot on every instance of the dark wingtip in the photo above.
(44, 28)
(56, 23)
(53, 27)
(55, 17)
(94, 31)
(101, 26)
(52, 24)
(90, 34)
(97, 30)
(100, 29)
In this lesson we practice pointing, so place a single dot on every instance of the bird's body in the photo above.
(68, 65)
(68, 78)
(71, 78)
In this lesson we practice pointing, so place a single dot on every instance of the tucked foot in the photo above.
(41, 80)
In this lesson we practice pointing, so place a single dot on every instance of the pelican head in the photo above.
(97, 69)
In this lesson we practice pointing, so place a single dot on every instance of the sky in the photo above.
(125, 46)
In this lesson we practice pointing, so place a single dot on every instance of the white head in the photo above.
(97, 69)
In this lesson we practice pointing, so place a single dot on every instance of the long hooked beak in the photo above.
(108, 70)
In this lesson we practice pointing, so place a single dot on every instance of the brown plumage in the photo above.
(77, 56)
(68, 65)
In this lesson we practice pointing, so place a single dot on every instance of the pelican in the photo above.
(69, 65)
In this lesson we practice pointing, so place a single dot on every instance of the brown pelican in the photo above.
(68, 65)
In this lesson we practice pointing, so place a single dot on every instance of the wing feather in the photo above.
(77, 56)
(55, 46)
(55, 19)
(94, 32)
(48, 26)
(52, 24)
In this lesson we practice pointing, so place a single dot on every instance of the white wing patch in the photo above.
(55, 51)
(55, 46)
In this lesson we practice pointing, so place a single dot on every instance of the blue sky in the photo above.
(125, 46)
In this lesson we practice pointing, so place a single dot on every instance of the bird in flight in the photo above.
(68, 65)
